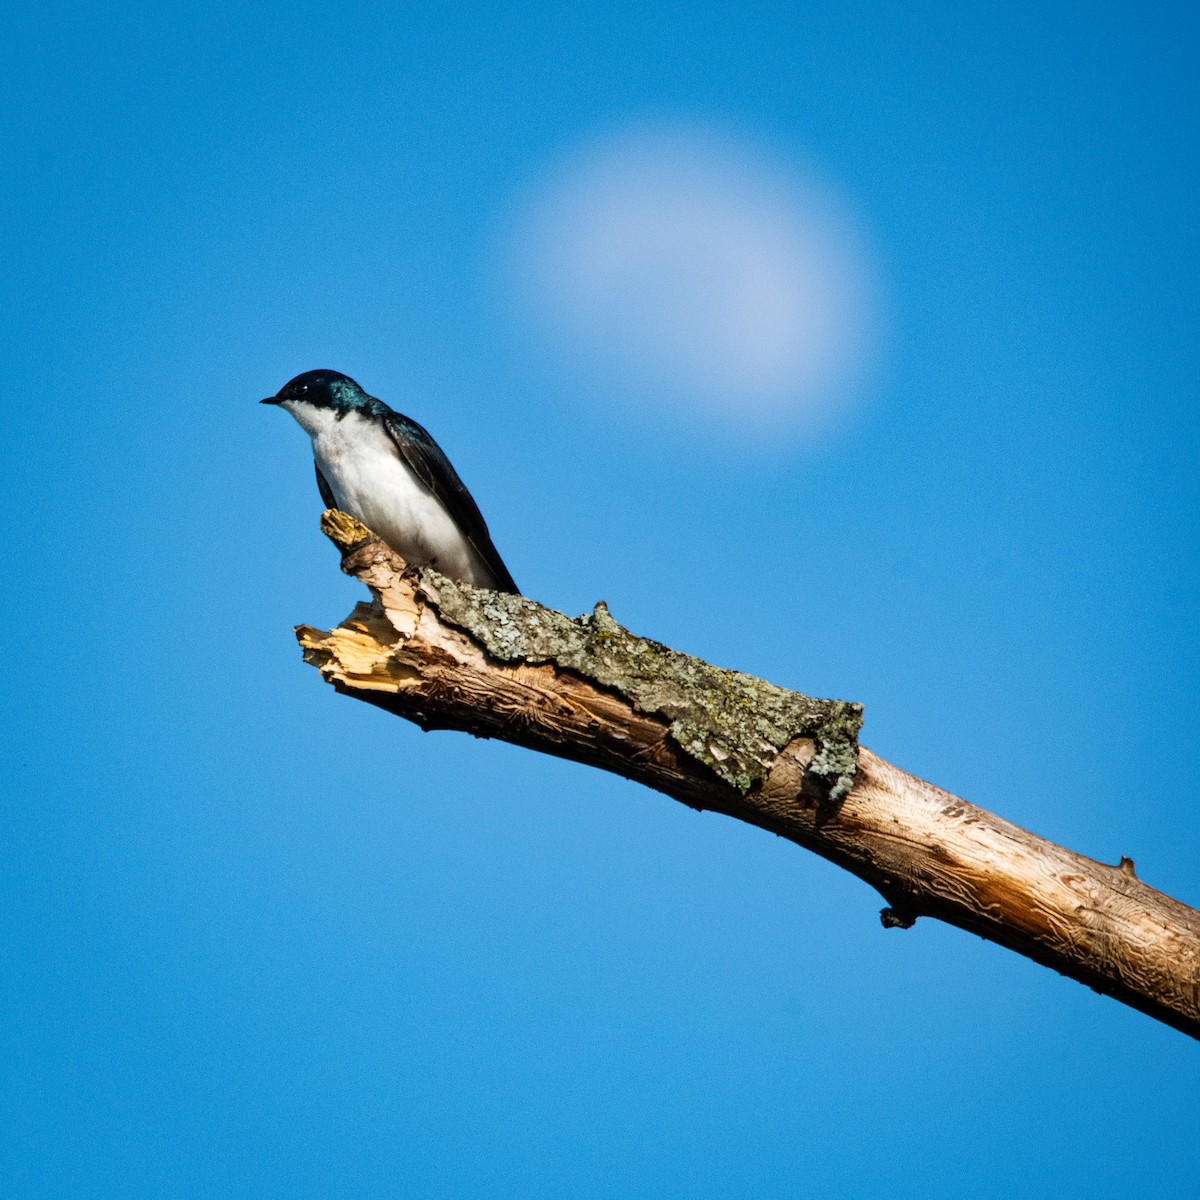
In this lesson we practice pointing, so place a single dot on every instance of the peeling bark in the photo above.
(449, 656)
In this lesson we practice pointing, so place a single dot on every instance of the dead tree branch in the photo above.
(448, 656)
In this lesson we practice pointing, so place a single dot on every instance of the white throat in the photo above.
(313, 420)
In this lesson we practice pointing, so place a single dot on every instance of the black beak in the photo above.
(271, 400)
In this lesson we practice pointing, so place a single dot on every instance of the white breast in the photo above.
(372, 482)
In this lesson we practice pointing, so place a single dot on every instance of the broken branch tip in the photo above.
(344, 531)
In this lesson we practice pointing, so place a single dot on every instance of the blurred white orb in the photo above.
(683, 265)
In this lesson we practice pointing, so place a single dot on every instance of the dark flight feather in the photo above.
(433, 469)
(324, 488)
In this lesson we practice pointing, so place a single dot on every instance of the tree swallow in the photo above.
(385, 470)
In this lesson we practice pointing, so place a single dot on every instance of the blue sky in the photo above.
(260, 940)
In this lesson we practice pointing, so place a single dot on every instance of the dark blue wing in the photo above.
(324, 488)
(433, 469)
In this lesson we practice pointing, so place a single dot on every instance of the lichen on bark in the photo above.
(732, 722)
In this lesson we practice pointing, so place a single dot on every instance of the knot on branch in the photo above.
(894, 917)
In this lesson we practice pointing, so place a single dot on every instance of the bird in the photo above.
(386, 471)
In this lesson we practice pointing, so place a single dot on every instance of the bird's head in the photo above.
(327, 392)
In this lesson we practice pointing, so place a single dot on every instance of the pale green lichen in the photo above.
(733, 723)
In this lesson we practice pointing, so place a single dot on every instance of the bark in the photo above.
(449, 656)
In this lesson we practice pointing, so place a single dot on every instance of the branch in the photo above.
(449, 656)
